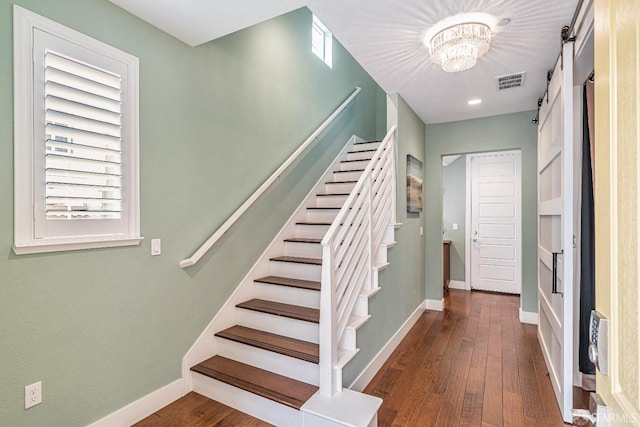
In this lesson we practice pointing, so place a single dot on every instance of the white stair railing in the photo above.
(349, 255)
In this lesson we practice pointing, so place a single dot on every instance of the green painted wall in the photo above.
(401, 283)
(101, 328)
(505, 132)
(454, 199)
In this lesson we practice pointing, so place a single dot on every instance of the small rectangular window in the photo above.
(75, 139)
(321, 41)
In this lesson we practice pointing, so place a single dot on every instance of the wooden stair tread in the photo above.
(278, 388)
(331, 194)
(305, 239)
(291, 347)
(322, 208)
(365, 142)
(354, 170)
(341, 182)
(280, 309)
(312, 223)
(293, 283)
(298, 260)
(356, 160)
(363, 151)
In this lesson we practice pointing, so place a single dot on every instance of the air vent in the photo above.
(510, 80)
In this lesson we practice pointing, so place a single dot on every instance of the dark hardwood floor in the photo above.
(197, 410)
(474, 364)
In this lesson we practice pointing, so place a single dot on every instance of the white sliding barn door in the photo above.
(555, 230)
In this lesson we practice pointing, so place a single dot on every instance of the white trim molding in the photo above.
(458, 284)
(434, 304)
(374, 366)
(529, 317)
(143, 407)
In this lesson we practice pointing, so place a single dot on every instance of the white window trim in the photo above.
(24, 21)
(327, 42)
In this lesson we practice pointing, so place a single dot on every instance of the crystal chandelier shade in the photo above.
(457, 48)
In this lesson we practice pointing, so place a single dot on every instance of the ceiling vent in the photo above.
(510, 80)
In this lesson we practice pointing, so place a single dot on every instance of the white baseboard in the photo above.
(435, 304)
(458, 284)
(374, 366)
(143, 407)
(528, 317)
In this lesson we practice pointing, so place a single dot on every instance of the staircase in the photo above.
(268, 360)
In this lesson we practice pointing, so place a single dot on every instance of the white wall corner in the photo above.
(458, 284)
(528, 317)
(143, 407)
(374, 366)
(434, 304)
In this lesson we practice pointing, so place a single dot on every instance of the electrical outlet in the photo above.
(33, 395)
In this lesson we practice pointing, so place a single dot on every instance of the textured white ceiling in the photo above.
(385, 37)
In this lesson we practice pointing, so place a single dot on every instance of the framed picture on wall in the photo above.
(414, 184)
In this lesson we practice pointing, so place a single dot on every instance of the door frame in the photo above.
(469, 184)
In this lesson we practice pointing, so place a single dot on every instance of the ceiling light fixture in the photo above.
(457, 48)
(474, 101)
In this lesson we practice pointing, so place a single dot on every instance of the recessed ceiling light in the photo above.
(474, 101)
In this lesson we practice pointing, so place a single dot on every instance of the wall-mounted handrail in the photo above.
(265, 185)
(349, 250)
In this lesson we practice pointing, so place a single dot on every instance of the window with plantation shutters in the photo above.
(76, 139)
(83, 158)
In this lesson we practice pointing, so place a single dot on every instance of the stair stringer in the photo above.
(206, 345)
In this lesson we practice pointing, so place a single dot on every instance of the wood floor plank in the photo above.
(194, 410)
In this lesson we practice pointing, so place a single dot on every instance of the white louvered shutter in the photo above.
(82, 128)
(83, 141)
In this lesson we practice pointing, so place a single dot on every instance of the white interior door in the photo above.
(555, 230)
(496, 241)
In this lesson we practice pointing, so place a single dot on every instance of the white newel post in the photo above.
(328, 325)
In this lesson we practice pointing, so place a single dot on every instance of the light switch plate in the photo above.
(455, 227)
(156, 247)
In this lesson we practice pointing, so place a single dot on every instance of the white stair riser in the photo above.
(322, 215)
(339, 187)
(366, 146)
(296, 270)
(381, 256)
(249, 403)
(350, 166)
(360, 155)
(268, 360)
(306, 250)
(331, 201)
(347, 176)
(298, 329)
(311, 231)
(348, 341)
(288, 295)
(362, 306)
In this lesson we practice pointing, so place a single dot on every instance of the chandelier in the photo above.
(457, 48)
